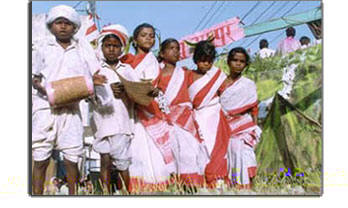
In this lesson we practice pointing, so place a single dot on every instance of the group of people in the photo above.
(289, 44)
(199, 130)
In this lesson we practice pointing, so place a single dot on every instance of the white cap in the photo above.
(118, 30)
(66, 12)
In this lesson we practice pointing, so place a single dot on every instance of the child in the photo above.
(305, 42)
(152, 157)
(264, 51)
(60, 56)
(113, 114)
(214, 130)
(239, 102)
(191, 155)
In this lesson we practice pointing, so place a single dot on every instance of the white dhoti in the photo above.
(118, 148)
(57, 129)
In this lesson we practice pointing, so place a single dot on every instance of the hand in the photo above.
(117, 89)
(99, 79)
(37, 85)
(154, 92)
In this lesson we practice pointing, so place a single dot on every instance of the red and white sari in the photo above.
(239, 101)
(190, 153)
(212, 124)
(152, 156)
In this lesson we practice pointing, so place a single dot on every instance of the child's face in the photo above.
(237, 63)
(63, 29)
(171, 53)
(204, 65)
(145, 39)
(112, 49)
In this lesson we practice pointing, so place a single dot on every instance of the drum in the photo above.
(66, 91)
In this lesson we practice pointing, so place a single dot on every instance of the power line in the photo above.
(206, 14)
(277, 11)
(279, 34)
(270, 17)
(252, 9)
(211, 17)
(78, 3)
(264, 12)
(297, 3)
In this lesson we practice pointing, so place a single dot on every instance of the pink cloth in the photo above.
(225, 33)
(288, 45)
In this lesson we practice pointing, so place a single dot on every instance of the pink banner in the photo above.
(225, 33)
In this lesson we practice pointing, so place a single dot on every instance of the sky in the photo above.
(177, 19)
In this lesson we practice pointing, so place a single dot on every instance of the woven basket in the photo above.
(66, 91)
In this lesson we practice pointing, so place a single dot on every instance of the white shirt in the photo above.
(266, 52)
(54, 63)
(112, 115)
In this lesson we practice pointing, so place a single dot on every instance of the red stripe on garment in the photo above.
(138, 185)
(118, 34)
(185, 120)
(242, 127)
(217, 166)
(137, 60)
(252, 172)
(201, 94)
(91, 29)
(242, 109)
(192, 179)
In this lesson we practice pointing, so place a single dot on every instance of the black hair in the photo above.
(204, 50)
(263, 43)
(138, 29)
(164, 45)
(290, 32)
(238, 50)
(110, 36)
(304, 39)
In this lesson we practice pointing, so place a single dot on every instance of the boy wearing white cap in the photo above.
(59, 56)
(113, 113)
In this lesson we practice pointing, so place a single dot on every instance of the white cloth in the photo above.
(118, 148)
(148, 162)
(237, 100)
(266, 52)
(66, 12)
(191, 156)
(240, 158)
(62, 129)
(112, 115)
(207, 112)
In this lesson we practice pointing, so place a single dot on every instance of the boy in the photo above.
(113, 114)
(59, 56)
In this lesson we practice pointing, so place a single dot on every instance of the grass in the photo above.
(282, 182)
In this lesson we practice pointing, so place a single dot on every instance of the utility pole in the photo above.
(92, 10)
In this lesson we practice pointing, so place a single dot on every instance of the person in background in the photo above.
(289, 44)
(305, 42)
(264, 51)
